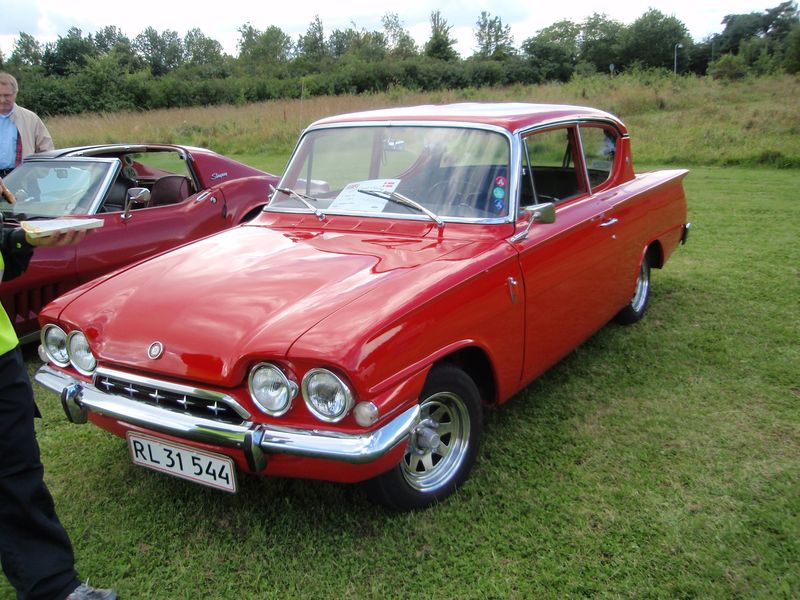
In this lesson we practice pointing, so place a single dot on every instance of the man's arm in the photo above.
(44, 142)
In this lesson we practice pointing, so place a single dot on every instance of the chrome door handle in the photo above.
(609, 223)
(512, 289)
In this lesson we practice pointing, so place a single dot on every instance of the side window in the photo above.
(550, 173)
(599, 150)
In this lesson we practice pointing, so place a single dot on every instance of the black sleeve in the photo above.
(16, 251)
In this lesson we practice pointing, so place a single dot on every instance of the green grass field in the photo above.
(660, 460)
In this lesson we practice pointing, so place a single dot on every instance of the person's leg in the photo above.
(35, 550)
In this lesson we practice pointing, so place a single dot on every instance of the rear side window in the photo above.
(599, 151)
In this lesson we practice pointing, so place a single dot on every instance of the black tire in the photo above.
(634, 311)
(450, 414)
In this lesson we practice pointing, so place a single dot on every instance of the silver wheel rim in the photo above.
(642, 287)
(426, 469)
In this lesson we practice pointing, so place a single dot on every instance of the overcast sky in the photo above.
(46, 20)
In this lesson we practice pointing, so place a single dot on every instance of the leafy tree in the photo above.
(111, 42)
(737, 29)
(198, 49)
(493, 38)
(565, 35)
(27, 52)
(553, 52)
(369, 46)
(773, 25)
(399, 42)
(340, 41)
(548, 60)
(440, 45)
(757, 56)
(69, 53)
(779, 21)
(270, 47)
(108, 38)
(312, 52)
(161, 52)
(650, 40)
(600, 39)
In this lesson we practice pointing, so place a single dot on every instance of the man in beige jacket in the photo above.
(21, 130)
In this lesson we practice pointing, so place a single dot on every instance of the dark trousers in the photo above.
(35, 551)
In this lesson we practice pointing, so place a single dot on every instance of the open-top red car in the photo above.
(414, 266)
(150, 197)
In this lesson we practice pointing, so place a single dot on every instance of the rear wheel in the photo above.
(634, 311)
(442, 448)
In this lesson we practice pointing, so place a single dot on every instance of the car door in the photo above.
(568, 266)
(147, 231)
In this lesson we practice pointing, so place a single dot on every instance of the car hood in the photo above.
(241, 295)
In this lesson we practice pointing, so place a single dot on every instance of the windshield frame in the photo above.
(513, 159)
(113, 164)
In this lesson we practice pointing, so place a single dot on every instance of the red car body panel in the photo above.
(381, 301)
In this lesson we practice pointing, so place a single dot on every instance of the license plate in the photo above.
(195, 465)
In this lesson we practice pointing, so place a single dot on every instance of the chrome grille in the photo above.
(204, 405)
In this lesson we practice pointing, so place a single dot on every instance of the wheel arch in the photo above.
(655, 254)
(476, 364)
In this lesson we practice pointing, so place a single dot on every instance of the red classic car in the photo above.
(150, 197)
(413, 266)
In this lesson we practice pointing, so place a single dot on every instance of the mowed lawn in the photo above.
(660, 460)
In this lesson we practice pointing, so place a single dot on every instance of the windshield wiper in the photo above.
(306, 200)
(404, 201)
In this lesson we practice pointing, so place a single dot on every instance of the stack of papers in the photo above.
(47, 227)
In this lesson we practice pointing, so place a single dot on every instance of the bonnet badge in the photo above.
(155, 350)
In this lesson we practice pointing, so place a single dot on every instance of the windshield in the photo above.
(54, 188)
(449, 172)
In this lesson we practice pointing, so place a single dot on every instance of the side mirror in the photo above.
(537, 213)
(135, 195)
(543, 213)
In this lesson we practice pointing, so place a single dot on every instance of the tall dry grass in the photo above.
(673, 120)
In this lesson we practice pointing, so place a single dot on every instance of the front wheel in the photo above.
(634, 311)
(443, 444)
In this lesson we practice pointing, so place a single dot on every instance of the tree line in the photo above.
(106, 71)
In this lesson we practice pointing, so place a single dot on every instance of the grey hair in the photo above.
(8, 79)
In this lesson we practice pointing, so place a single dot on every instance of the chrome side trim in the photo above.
(252, 439)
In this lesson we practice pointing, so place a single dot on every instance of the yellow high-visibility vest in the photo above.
(8, 338)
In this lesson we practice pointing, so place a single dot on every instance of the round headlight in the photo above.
(80, 355)
(54, 341)
(270, 389)
(327, 396)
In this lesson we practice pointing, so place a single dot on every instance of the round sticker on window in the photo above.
(499, 192)
(498, 205)
(500, 181)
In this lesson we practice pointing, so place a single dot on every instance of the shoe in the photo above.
(84, 592)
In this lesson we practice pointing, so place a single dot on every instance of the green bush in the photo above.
(729, 67)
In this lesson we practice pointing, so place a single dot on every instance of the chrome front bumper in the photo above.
(78, 398)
